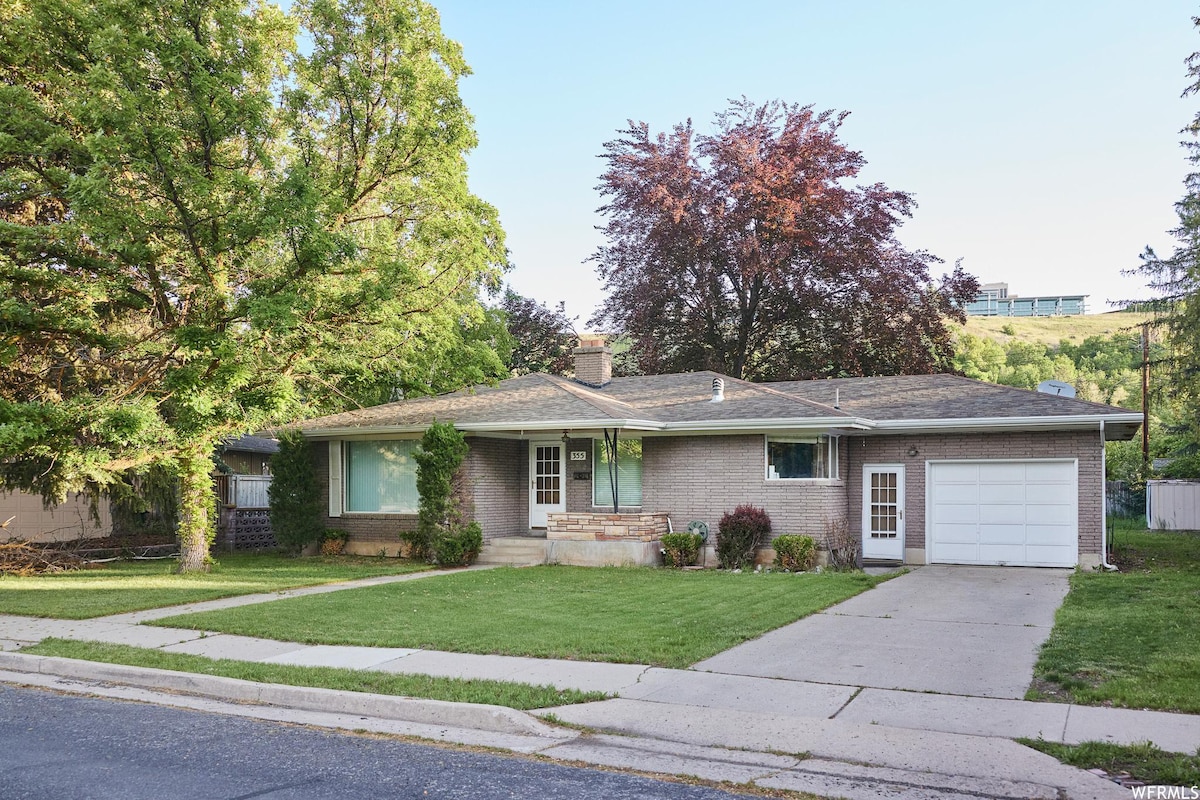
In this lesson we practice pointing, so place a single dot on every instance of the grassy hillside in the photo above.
(1052, 330)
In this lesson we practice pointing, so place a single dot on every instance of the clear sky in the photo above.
(1040, 139)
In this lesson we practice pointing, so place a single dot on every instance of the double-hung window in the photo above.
(802, 457)
(381, 477)
(629, 473)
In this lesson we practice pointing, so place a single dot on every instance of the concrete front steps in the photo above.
(516, 551)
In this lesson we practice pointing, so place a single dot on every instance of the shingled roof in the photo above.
(250, 444)
(683, 402)
(937, 397)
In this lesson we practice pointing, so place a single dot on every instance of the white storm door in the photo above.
(546, 482)
(883, 512)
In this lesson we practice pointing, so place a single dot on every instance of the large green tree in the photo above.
(215, 215)
(1175, 281)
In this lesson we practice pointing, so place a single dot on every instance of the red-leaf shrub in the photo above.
(739, 533)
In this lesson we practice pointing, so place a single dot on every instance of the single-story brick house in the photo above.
(928, 468)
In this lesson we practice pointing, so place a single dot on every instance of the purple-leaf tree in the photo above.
(750, 251)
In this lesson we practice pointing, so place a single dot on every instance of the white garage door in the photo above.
(1015, 513)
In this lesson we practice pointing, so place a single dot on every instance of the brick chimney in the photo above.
(593, 362)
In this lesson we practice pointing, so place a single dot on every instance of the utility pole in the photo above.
(1146, 396)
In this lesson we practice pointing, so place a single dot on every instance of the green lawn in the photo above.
(501, 693)
(630, 615)
(1130, 638)
(1143, 762)
(123, 586)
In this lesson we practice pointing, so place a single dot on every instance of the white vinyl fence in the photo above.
(1173, 505)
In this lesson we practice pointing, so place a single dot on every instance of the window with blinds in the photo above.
(629, 473)
(381, 477)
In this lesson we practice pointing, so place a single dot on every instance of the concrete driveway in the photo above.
(952, 630)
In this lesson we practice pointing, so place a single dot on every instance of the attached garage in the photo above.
(1003, 512)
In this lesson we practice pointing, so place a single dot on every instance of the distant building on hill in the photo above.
(994, 300)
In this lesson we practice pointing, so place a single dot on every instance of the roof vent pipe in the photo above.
(837, 397)
(718, 390)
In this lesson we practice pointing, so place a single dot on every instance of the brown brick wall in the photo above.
(365, 530)
(496, 485)
(1083, 445)
(702, 477)
(495, 475)
(579, 492)
(33, 521)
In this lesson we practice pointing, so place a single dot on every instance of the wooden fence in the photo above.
(244, 522)
(243, 491)
(1123, 501)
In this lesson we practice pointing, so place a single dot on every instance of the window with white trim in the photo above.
(629, 473)
(802, 457)
(381, 477)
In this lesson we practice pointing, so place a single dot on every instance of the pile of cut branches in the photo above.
(24, 558)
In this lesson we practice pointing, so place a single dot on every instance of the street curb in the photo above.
(495, 719)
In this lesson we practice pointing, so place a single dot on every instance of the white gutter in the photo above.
(770, 423)
(754, 425)
(1104, 503)
(1080, 420)
(488, 427)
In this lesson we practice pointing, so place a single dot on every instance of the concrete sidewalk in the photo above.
(829, 758)
(976, 716)
(905, 738)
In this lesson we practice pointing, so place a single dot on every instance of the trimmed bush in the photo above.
(417, 546)
(795, 553)
(334, 542)
(680, 549)
(442, 535)
(439, 457)
(295, 496)
(458, 547)
(739, 533)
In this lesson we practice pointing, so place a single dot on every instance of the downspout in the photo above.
(1104, 504)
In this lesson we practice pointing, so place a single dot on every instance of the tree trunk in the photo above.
(195, 512)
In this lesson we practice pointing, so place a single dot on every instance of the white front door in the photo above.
(883, 512)
(546, 482)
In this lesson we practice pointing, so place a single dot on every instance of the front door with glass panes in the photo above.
(546, 489)
(883, 512)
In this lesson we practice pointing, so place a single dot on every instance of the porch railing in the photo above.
(244, 521)
(243, 491)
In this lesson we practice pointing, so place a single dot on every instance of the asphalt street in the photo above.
(56, 747)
